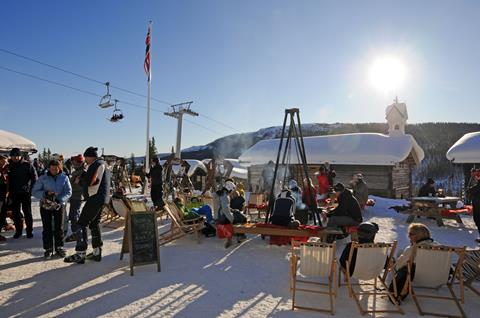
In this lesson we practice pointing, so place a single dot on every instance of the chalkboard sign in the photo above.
(141, 239)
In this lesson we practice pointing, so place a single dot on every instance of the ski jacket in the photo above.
(426, 191)
(283, 209)
(360, 192)
(49, 183)
(156, 175)
(21, 177)
(403, 259)
(75, 178)
(223, 205)
(323, 183)
(96, 182)
(347, 206)
(3, 183)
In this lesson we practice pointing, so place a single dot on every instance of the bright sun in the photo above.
(387, 74)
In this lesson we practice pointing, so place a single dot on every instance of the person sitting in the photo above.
(301, 211)
(226, 215)
(428, 189)
(237, 202)
(366, 234)
(419, 234)
(283, 213)
(348, 210)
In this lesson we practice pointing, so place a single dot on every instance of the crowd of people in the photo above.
(86, 181)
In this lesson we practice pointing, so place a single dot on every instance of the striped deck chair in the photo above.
(180, 227)
(471, 269)
(317, 260)
(437, 257)
(373, 262)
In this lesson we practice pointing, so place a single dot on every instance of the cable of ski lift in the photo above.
(102, 83)
(94, 94)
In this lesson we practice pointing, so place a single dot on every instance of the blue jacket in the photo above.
(58, 184)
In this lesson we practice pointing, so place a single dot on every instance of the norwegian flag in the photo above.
(146, 64)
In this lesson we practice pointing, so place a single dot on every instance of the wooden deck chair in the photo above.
(120, 208)
(373, 262)
(109, 214)
(471, 269)
(437, 257)
(180, 227)
(316, 260)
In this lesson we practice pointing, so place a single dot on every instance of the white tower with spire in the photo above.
(396, 116)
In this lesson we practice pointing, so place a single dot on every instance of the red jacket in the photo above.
(323, 184)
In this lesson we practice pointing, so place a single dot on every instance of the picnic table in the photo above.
(433, 207)
(253, 228)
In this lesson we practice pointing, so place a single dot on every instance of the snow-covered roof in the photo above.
(9, 140)
(466, 149)
(194, 165)
(356, 148)
(239, 173)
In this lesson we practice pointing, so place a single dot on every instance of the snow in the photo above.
(9, 140)
(466, 149)
(196, 148)
(355, 148)
(197, 280)
(239, 173)
(194, 165)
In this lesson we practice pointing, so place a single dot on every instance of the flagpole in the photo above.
(147, 155)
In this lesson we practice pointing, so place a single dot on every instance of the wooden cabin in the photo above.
(386, 161)
(391, 181)
(466, 152)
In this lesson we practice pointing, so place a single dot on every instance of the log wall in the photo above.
(385, 181)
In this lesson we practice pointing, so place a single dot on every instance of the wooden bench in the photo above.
(252, 228)
(432, 207)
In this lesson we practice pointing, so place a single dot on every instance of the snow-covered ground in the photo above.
(197, 280)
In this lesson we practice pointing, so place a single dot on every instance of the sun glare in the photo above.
(387, 74)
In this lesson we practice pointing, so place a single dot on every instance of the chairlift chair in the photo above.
(105, 101)
(117, 114)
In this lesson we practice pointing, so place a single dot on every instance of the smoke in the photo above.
(232, 146)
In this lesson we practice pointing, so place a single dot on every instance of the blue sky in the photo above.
(241, 62)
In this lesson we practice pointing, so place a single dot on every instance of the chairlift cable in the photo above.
(80, 75)
(103, 83)
(70, 87)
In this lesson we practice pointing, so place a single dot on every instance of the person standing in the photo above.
(78, 165)
(96, 191)
(156, 181)
(22, 177)
(323, 183)
(53, 190)
(3, 192)
(360, 190)
(473, 194)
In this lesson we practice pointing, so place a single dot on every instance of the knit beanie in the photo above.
(91, 152)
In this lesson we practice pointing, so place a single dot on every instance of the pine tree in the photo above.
(152, 149)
